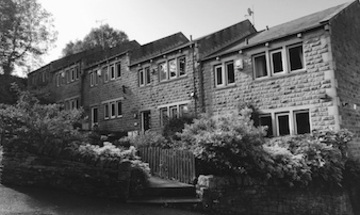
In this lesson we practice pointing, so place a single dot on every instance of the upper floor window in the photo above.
(94, 77)
(224, 74)
(172, 69)
(112, 72)
(118, 69)
(283, 60)
(144, 76)
(105, 71)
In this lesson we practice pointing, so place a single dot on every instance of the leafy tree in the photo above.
(26, 32)
(103, 36)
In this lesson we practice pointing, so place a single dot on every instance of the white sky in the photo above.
(148, 20)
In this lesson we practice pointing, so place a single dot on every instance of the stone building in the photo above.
(301, 75)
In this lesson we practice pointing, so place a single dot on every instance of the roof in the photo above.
(215, 41)
(299, 25)
(152, 49)
(91, 56)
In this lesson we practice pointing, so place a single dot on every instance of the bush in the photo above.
(147, 139)
(231, 143)
(176, 125)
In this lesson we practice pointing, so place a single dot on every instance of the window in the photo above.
(281, 61)
(112, 72)
(218, 76)
(173, 111)
(302, 122)
(265, 120)
(91, 76)
(106, 111)
(58, 78)
(96, 76)
(113, 109)
(283, 124)
(163, 73)
(119, 108)
(147, 75)
(77, 73)
(67, 76)
(106, 74)
(289, 122)
(182, 66)
(141, 77)
(296, 57)
(230, 73)
(260, 66)
(77, 103)
(145, 120)
(72, 71)
(172, 68)
(163, 116)
(94, 116)
(225, 76)
(118, 70)
(276, 61)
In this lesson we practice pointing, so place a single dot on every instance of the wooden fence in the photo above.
(171, 164)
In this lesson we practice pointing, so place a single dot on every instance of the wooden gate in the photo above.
(171, 164)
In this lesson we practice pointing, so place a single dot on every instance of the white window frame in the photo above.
(113, 110)
(166, 71)
(168, 110)
(285, 57)
(227, 73)
(117, 108)
(106, 109)
(141, 75)
(294, 118)
(147, 75)
(118, 69)
(91, 77)
(289, 121)
(112, 72)
(105, 70)
(178, 63)
(92, 116)
(216, 67)
(109, 103)
(142, 115)
(288, 57)
(175, 67)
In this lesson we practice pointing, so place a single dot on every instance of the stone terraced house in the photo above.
(301, 75)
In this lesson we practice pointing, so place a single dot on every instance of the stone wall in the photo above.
(345, 44)
(221, 194)
(301, 89)
(59, 170)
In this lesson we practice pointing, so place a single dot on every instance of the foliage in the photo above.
(176, 125)
(148, 138)
(35, 123)
(26, 31)
(230, 142)
(9, 96)
(104, 36)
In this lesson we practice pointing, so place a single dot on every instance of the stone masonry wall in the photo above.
(303, 88)
(220, 194)
(56, 169)
(345, 40)
(113, 89)
(157, 93)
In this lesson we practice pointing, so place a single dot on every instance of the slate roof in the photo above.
(289, 28)
(157, 47)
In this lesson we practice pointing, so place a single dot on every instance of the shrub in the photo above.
(176, 125)
(231, 143)
(148, 138)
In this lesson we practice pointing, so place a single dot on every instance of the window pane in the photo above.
(147, 74)
(112, 72)
(141, 77)
(218, 73)
(302, 122)
(173, 112)
(266, 121)
(277, 63)
(145, 119)
(106, 74)
(95, 115)
(113, 113)
(172, 68)
(118, 69)
(119, 108)
(106, 110)
(183, 109)
(91, 78)
(96, 76)
(163, 71)
(163, 116)
(296, 58)
(230, 73)
(260, 66)
(182, 68)
(283, 124)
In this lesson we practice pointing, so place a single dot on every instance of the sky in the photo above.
(149, 20)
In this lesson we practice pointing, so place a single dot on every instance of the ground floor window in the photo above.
(113, 108)
(286, 122)
(94, 117)
(145, 120)
(175, 110)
